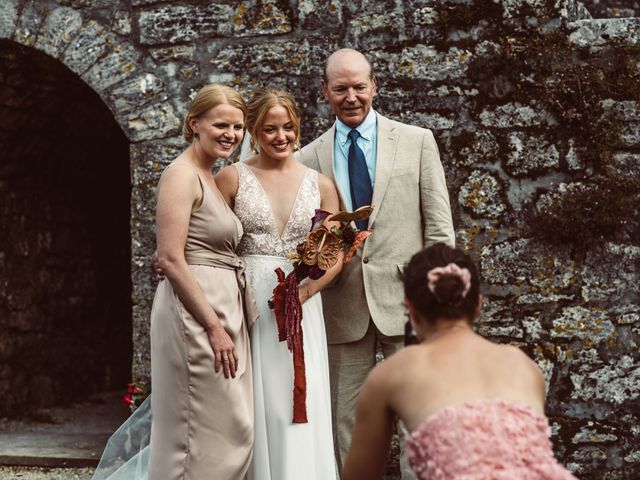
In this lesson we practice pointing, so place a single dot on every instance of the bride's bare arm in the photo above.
(227, 182)
(329, 202)
(178, 191)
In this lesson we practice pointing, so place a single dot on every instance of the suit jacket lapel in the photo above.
(325, 153)
(385, 157)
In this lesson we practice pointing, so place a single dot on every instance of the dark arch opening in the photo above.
(65, 276)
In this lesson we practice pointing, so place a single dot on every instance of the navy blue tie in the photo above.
(359, 180)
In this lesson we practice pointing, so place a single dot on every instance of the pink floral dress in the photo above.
(484, 440)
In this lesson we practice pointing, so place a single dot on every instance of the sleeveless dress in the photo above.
(484, 440)
(201, 423)
(283, 450)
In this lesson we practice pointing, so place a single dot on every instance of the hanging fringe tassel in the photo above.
(288, 312)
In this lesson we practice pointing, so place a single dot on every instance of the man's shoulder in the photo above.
(404, 128)
(326, 136)
(307, 153)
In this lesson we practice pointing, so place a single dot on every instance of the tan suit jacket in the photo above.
(411, 211)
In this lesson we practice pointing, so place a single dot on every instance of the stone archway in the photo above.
(132, 86)
(65, 275)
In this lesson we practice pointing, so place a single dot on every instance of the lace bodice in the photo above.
(484, 439)
(253, 209)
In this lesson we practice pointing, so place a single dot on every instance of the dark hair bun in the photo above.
(449, 289)
(442, 283)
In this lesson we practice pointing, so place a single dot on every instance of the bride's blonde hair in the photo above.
(262, 100)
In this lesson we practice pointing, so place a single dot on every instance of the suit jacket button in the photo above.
(365, 260)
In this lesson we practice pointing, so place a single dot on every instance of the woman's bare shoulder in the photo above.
(179, 171)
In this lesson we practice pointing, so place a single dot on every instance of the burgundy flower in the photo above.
(315, 272)
(348, 235)
(319, 218)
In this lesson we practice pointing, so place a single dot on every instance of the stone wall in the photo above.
(535, 108)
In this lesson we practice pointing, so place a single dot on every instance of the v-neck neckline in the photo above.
(279, 235)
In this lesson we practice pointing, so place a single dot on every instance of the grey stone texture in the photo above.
(534, 105)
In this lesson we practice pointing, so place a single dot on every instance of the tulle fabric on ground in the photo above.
(126, 456)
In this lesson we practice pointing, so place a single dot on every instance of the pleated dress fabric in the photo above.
(202, 424)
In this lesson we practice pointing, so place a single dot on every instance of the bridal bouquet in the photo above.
(318, 253)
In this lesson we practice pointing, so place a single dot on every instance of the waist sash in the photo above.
(231, 262)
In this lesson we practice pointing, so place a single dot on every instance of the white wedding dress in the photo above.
(284, 450)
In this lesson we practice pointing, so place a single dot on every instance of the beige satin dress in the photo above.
(202, 422)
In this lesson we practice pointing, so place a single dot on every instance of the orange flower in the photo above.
(322, 249)
(360, 236)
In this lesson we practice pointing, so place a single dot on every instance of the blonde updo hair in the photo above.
(208, 97)
(261, 101)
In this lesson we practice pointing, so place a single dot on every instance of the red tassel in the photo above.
(288, 312)
(299, 382)
(279, 299)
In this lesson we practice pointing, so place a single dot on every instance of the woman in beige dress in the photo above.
(201, 378)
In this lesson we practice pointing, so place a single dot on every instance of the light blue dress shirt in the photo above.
(368, 142)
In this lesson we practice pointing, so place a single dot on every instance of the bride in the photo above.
(275, 197)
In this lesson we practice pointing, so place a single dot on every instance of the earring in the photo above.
(196, 135)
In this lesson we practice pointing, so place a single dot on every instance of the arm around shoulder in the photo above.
(434, 196)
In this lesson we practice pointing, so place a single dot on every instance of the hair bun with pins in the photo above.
(449, 284)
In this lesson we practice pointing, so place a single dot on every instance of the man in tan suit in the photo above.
(406, 185)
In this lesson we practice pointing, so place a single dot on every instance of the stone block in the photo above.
(574, 157)
(617, 383)
(59, 29)
(30, 22)
(121, 22)
(625, 164)
(91, 43)
(625, 111)
(183, 23)
(432, 121)
(545, 9)
(591, 325)
(279, 57)
(530, 266)
(262, 18)
(530, 155)
(153, 122)
(120, 63)
(135, 93)
(372, 29)
(629, 136)
(592, 435)
(482, 195)
(8, 18)
(176, 52)
(611, 275)
(475, 148)
(421, 63)
(594, 33)
(320, 14)
(515, 114)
